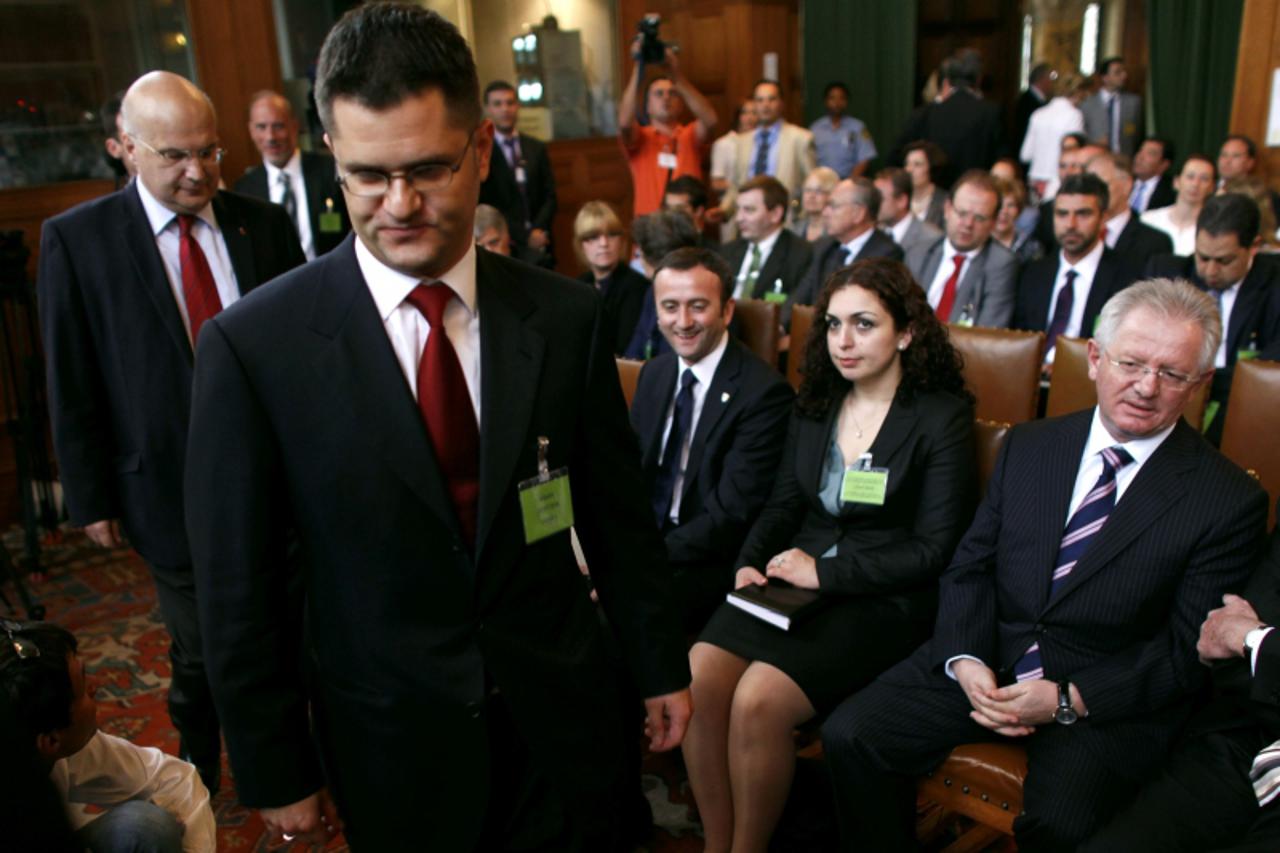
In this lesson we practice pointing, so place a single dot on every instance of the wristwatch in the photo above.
(1065, 714)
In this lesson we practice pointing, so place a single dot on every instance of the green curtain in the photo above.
(1191, 77)
(870, 46)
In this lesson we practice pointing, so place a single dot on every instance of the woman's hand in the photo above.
(795, 567)
(748, 576)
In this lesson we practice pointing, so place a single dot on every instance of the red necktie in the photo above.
(447, 409)
(949, 291)
(198, 288)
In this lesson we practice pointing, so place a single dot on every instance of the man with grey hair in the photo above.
(850, 217)
(1068, 618)
(490, 230)
(125, 284)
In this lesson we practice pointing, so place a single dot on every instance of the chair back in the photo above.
(801, 323)
(629, 376)
(760, 329)
(1002, 369)
(1253, 423)
(1071, 389)
(988, 436)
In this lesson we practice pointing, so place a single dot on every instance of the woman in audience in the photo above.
(926, 162)
(881, 379)
(1013, 200)
(817, 186)
(1193, 185)
(600, 242)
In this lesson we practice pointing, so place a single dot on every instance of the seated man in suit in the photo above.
(1133, 242)
(767, 260)
(656, 235)
(1063, 293)
(968, 277)
(896, 218)
(710, 443)
(520, 182)
(1218, 789)
(850, 217)
(304, 183)
(1244, 284)
(1152, 183)
(1075, 152)
(1067, 619)
(1237, 158)
(491, 233)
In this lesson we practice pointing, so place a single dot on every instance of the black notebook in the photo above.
(776, 604)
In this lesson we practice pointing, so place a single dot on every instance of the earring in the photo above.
(902, 347)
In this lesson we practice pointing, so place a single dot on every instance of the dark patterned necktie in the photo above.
(681, 422)
(288, 201)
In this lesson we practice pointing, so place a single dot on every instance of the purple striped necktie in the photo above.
(1083, 526)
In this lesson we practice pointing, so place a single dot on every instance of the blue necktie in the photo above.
(762, 153)
(1084, 525)
(681, 422)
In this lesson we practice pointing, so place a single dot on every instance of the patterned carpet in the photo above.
(107, 599)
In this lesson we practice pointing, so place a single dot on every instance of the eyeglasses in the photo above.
(427, 178)
(208, 156)
(1137, 370)
(22, 647)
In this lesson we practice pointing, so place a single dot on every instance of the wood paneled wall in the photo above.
(1259, 55)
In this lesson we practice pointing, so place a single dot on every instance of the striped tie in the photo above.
(1265, 774)
(1083, 526)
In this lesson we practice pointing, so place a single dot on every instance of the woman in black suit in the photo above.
(881, 378)
(600, 242)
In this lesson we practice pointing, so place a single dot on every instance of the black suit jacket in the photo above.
(1138, 244)
(622, 294)
(501, 190)
(119, 358)
(787, 262)
(733, 456)
(1124, 627)
(1043, 232)
(896, 550)
(828, 256)
(1035, 290)
(305, 423)
(966, 127)
(1027, 103)
(1163, 195)
(321, 178)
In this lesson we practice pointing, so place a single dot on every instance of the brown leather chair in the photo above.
(1071, 389)
(1249, 434)
(801, 322)
(983, 782)
(760, 327)
(1002, 369)
(629, 376)
(988, 436)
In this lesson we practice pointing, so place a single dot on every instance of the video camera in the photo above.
(653, 50)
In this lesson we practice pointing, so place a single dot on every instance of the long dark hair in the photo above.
(930, 363)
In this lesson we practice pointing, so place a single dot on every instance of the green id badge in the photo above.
(1246, 354)
(863, 484)
(330, 220)
(770, 296)
(546, 504)
(1210, 412)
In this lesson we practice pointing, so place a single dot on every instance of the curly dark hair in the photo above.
(930, 363)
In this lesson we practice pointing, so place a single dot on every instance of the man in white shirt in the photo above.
(304, 183)
(1068, 618)
(119, 797)
(767, 259)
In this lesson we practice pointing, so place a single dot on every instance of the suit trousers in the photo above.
(1200, 800)
(190, 701)
(903, 725)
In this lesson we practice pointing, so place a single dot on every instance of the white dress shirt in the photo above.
(853, 247)
(109, 771)
(1086, 268)
(408, 330)
(1184, 238)
(1114, 226)
(1227, 304)
(294, 171)
(899, 231)
(766, 247)
(945, 268)
(704, 370)
(164, 225)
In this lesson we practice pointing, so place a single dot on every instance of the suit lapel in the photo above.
(1100, 291)
(899, 423)
(361, 368)
(1042, 294)
(511, 355)
(773, 265)
(239, 245)
(136, 235)
(1127, 235)
(1057, 474)
(970, 280)
(1252, 292)
(311, 182)
(931, 262)
(653, 399)
(720, 396)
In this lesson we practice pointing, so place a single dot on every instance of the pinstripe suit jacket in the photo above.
(1124, 627)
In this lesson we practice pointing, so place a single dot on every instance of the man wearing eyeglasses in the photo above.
(418, 418)
(1068, 618)
(125, 284)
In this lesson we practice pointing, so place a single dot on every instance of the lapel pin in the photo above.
(724, 398)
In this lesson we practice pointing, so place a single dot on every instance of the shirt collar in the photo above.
(1086, 266)
(705, 368)
(389, 287)
(949, 251)
(1117, 223)
(770, 129)
(506, 139)
(854, 246)
(1139, 448)
(293, 168)
(161, 217)
(766, 245)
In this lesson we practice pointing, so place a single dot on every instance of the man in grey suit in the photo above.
(968, 277)
(1112, 117)
(896, 218)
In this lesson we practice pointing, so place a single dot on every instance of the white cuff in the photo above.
(951, 662)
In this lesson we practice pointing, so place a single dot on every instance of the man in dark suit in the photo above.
(303, 182)
(767, 260)
(968, 277)
(1112, 116)
(520, 182)
(1067, 619)
(1152, 180)
(850, 217)
(455, 682)
(125, 283)
(1063, 294)
(1203, 799)
(1244, 284)
(1132, 241)
(710, 453)
(965, 126)
(1075, 152)
(1038, 92)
